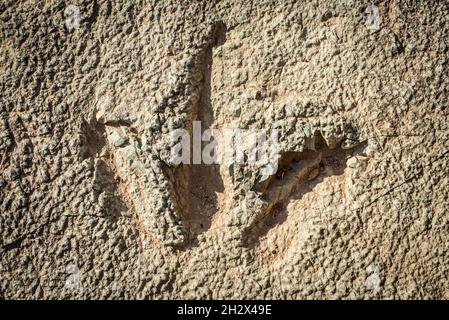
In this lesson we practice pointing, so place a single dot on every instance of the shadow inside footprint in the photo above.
(298, 174)
(196, 189)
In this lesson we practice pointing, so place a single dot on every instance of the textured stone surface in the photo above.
(92, 207)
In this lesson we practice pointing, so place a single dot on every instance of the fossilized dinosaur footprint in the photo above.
(176, 203)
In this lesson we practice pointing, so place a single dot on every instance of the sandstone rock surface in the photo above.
(92, 206)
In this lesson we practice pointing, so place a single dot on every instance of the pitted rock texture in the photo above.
(92, 205)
